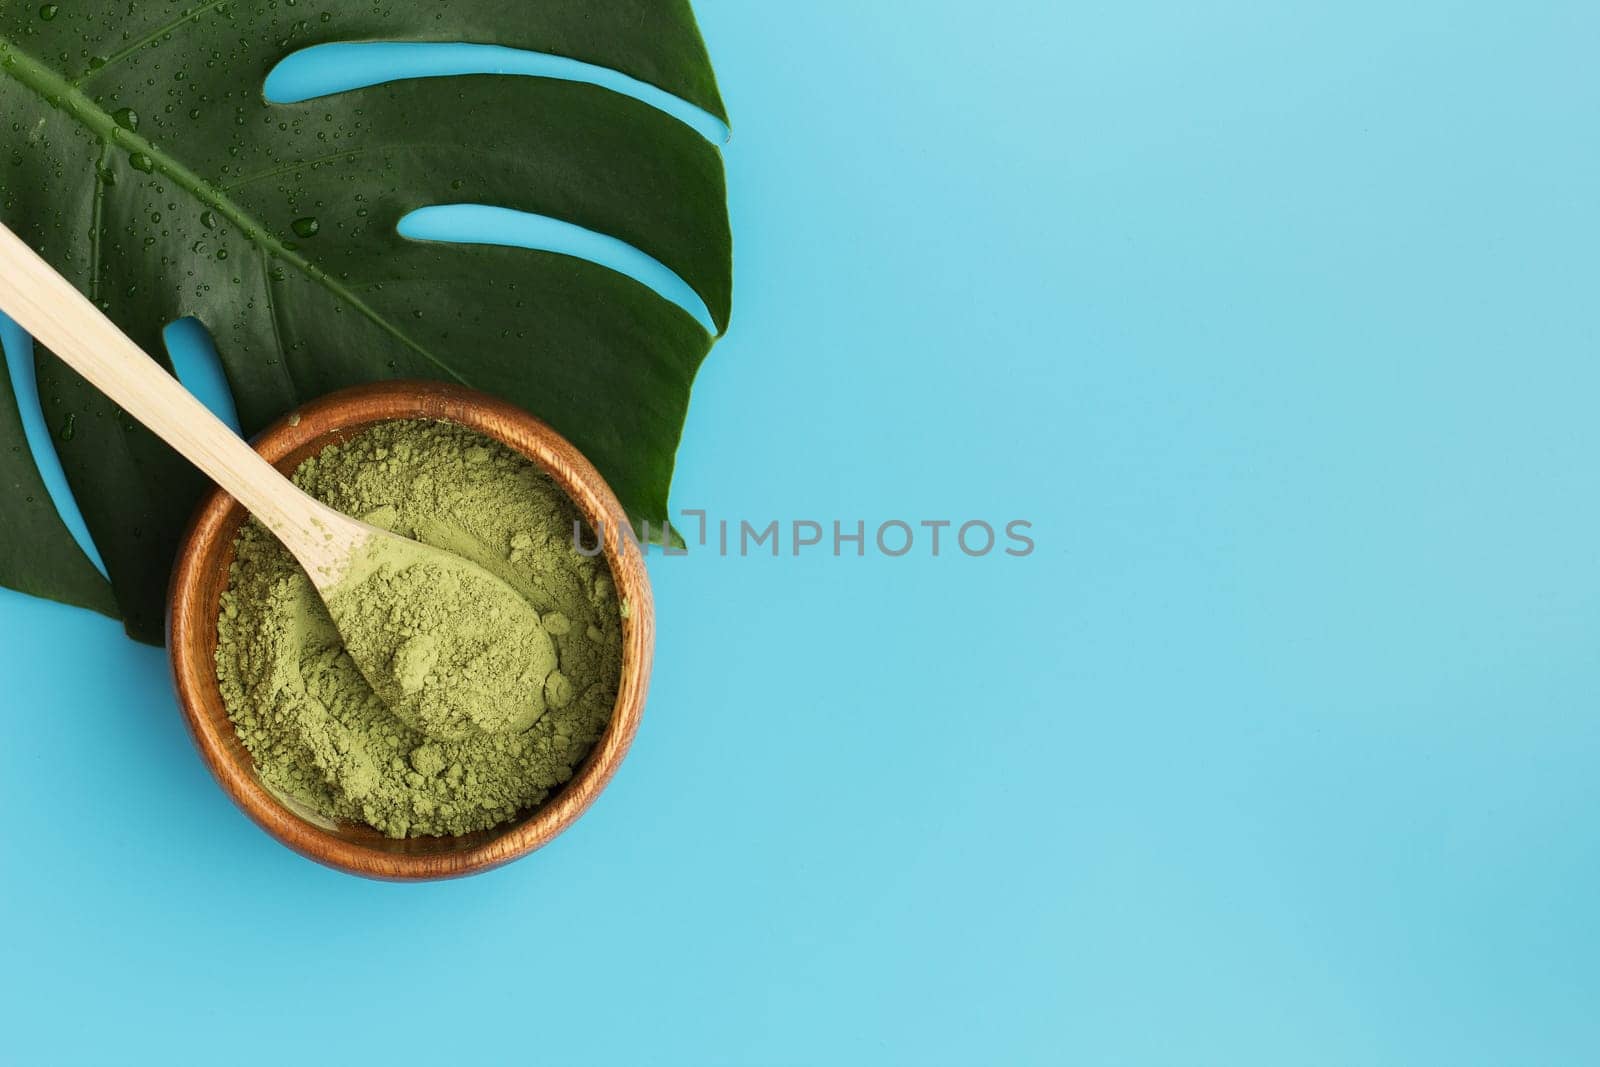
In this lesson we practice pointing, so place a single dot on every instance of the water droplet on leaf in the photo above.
(141, 162)
(127, 118)
(306, 227)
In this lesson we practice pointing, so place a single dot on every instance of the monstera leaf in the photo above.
(138, 154)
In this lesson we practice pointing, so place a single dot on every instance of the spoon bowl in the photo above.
(201, 576)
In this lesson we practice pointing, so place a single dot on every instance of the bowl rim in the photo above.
(192, 625)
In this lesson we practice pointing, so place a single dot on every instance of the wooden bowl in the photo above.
(202, 574)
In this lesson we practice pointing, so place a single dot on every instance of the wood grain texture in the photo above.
(201, 576)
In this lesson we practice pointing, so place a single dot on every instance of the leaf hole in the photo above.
(40, 435)
(194, 358)
(489, 225)
(335, 68)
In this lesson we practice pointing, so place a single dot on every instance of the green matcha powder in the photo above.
(322, 738)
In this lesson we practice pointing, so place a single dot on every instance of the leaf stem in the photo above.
(97, 220)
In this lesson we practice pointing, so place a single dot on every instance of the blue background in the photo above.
(1278, 321)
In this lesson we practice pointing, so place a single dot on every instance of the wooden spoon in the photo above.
(341, 555)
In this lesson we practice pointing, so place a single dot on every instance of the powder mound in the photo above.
(450, 648)
(322, 738)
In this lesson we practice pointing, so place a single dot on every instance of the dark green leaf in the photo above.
(140, 158)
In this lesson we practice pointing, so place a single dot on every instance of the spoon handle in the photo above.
(51, 309)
